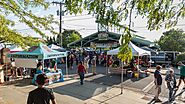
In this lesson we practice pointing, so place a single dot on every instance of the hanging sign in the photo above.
(103, 36)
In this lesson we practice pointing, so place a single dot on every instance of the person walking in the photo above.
(157, 82)
(81, 72)
(41, 95)
(182, 73)
(94, 65)
(171, 84)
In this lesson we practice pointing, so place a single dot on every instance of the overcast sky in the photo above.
(86, 25)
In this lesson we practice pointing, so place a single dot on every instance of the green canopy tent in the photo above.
(42, 52)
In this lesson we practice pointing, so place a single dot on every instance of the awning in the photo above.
(41, 52)
(135, 50)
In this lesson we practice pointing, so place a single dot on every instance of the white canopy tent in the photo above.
(55, 47)
(136, 51)
(15, 48)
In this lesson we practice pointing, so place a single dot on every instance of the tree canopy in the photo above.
(158, 13)
(68, 36)
(173, 40)
(21, 10)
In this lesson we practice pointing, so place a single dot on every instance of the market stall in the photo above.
(136, 51)
(29, 59)
(53, 77)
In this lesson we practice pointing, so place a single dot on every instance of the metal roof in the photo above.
(112, 36)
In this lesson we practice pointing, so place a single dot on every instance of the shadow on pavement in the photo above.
(82, 92)
(19, 82)
(108, 80)
(115, 79)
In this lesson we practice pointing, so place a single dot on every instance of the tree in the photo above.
(21, 10)
(180, 57)
(173, 40)
(69, 36)
(113, 12)
(108, 12)
(51, 40)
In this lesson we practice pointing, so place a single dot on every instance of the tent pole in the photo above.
(106, 65)
(56, 64)
(150, 61)
(43, 64)
(6, 69)
(121, 77)
(138, 62)
(66, 67)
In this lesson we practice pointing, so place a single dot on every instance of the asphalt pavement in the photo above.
(95, 85)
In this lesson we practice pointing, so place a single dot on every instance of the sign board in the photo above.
(103, 36)
(27, 63)
(104, 45)
(24, 56)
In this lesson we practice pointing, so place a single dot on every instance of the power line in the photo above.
(78, 25)
(78, 19)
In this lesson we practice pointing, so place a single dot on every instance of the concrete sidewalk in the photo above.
(71, 92)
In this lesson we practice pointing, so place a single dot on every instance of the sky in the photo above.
(85, 24)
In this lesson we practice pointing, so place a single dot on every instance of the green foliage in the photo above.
(180, 57)
(21, 10)
(113, 12)
(68, 36)
(173, 40)
(125, 52)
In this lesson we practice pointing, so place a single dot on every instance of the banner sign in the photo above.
(24, 56)
(56, 55)
(103, 36)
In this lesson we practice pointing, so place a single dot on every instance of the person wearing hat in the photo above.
(182, 73)
(171, 84)
(41, 95)
(157, 82)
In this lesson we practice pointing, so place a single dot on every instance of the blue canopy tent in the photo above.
(42, 52)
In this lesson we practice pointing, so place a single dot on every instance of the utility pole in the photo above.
(60, 13)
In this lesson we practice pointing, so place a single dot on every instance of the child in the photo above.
(171, 84)
(81, 72)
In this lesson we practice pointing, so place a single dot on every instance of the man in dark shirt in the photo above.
(158, 82)
(41, 95)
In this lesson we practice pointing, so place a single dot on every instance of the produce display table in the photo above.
(117, 70)
(52, 77)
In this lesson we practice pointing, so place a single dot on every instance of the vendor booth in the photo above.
(29, 59)
(136, 51)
